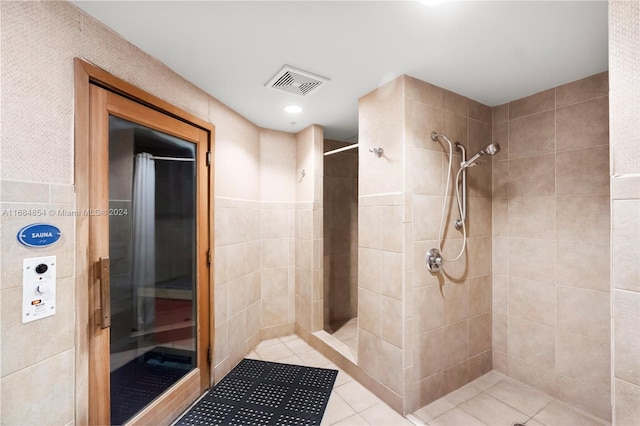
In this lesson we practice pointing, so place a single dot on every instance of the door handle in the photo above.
(104, 274)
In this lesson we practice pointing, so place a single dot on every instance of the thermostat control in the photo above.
(38, 288)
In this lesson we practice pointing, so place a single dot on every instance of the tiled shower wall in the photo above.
(447, 316)
(624, 62)
(421, 335)
(551, 297)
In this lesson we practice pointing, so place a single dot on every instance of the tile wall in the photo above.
(447, 316)
(551, 296)
(624, 63)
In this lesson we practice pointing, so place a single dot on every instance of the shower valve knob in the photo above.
(434, 261)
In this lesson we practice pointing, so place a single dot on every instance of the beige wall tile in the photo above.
(479, 256)
(593, 399)
(391, 367)
(427, 308)
(500, 255)
(532, 176)
(499, 332)
(392, 321)
(478, 111)
(500, 293)
(532, 300)
(456, 376)
(626, 344)
(583, 171)
(455, 302)
(369, 347)
(277, 166)
(479, 295)
(532, 217)
(274, 282)
(479, 217)
(542, 101)
(19, 338)
(392, 230)
(594, 370)
(626, 407)
(424, 207)
(526, 256)
(426, 169)
(626, 244)
(583, 89)
(391, 275)
(585, 312)
(455, 127)
(275, 311)
(370, 312)
(454, 103)
(35, 383)
(479, 333)
(531, 374)
(532, 342)
(423, 92)
(500, 113)
(427, 354)
(500, 180)
(583, 218)
(370, 269)
(421, 121)
(583, 265)
(500, 218)
(532, 135)
(583, 125)
(455, 344)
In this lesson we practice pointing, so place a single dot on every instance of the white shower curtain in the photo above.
(144, 242)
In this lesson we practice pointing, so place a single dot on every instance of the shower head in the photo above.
(491, 149)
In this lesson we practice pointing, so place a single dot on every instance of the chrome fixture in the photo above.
(434, 257)
(491, 149)
(377, 151)
(434, 261)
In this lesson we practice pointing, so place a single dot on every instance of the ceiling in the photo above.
(489, 51)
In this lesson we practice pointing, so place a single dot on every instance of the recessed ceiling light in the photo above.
(293, 109)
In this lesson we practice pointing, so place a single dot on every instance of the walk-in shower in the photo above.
(434, 258)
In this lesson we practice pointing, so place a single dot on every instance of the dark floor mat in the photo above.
(140, 381)
(265, 393)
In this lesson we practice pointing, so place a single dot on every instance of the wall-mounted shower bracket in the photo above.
(377, 151)
(434, 261)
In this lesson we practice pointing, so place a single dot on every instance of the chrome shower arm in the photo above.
(463, 207)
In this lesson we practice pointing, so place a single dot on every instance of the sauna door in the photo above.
(149, 280)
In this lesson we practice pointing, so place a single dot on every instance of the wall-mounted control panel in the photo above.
(38, 288)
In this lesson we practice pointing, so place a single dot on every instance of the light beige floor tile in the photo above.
(532, 422)
(456, 417)
(289, 338)
(253, 355)
(268, 342)
(461, 395)
(342, 378)
(357, 396)
(298, 345)
(382, 414)
(274, 352)
(337, 409)
(314, 359)
(559, 414)
(488, 380)
(435, 409)
(355, 420)
(519, 396)
(492, 412)
(293, 359)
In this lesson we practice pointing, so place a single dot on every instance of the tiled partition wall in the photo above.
(420, 335)
(447, 316)
(624, 62)
(308, 231)
(551, 296)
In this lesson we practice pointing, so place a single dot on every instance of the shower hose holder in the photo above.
(434, 261)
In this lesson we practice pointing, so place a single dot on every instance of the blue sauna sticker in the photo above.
(39, 235)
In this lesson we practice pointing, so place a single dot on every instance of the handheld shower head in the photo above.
(491, 149)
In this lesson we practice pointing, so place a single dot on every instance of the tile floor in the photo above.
(492, 399)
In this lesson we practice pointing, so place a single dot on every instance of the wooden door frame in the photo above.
(87, 74)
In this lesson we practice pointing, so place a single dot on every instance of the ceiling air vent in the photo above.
(296, 81)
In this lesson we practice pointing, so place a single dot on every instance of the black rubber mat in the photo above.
(265, 393)
(140, 381)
